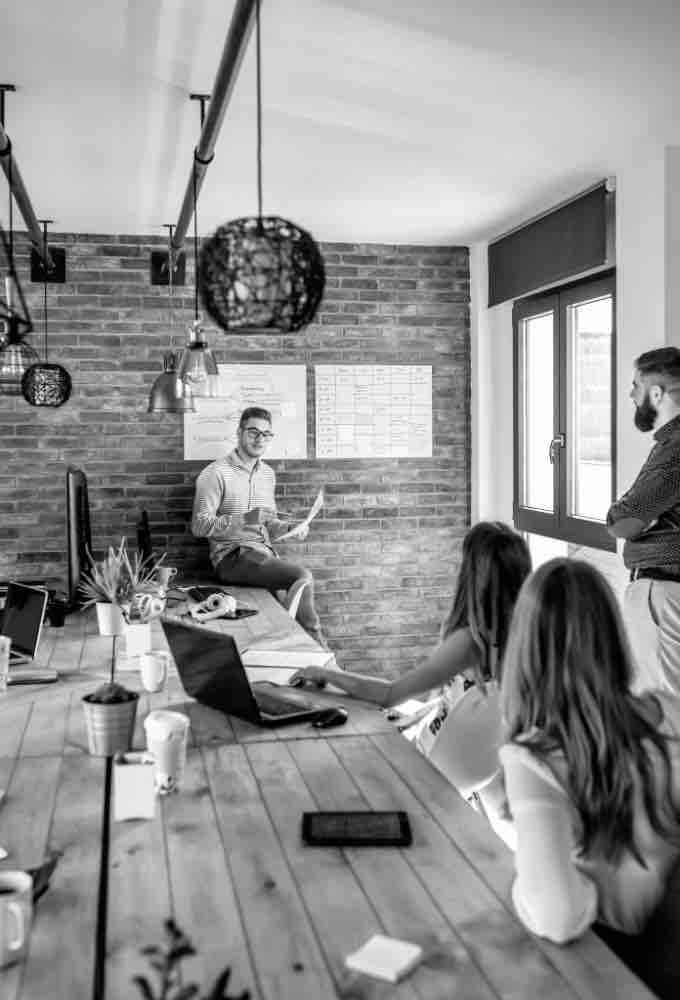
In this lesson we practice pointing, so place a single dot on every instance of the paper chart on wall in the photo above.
(373, 411)
(211, 431)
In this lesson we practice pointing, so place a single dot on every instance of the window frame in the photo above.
(559, 523)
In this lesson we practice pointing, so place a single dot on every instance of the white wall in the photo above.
(644, 263)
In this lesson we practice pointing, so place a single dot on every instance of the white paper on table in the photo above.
(313, 511)
(385, 957)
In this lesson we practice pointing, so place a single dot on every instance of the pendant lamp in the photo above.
(169, 394)
(44, 384)
(197, 366)
(262, 273)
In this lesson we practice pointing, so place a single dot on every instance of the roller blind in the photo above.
(564, 243)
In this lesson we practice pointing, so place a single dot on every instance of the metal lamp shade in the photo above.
(261, 273)
(163, 397)
(168, 393)
(44, 384)
(15, 357)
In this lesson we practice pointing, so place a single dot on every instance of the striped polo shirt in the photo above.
(225, 490)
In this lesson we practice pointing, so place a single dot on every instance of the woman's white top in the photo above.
(558, 893)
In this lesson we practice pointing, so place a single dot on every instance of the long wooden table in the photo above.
(224, 856)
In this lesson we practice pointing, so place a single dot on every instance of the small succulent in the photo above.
(110, 693)
(165, 962)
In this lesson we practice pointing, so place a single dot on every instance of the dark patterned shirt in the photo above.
(654, 498)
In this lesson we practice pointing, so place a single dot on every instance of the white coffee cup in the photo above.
(166, 740)
(16, 913)
(165, 574)
(5, 646)
(153, 666)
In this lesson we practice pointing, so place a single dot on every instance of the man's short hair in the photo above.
(664, 362)
(258, 412)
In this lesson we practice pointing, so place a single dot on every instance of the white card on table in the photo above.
(385, 958)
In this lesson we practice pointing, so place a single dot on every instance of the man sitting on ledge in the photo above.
(235, 509)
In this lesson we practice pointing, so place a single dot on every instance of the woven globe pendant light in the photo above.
(261, 273)
(44, 384)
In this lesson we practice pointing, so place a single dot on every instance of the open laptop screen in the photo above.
(22, 619)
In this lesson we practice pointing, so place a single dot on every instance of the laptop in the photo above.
(22, 620)
(22, 623)
(212, 672)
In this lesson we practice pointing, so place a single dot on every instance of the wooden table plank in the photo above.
(46, 727)
(66, 914)
(26, 811)
(288, 960)
(139, 900)
(479, 917)
(204, 901)
(406, 908)
(13, 721)
(590, 968)
(343, 916)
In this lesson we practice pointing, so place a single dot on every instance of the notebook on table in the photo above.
(212, 672)
(22, 622)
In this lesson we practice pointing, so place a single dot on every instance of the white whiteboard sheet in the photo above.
(373, 411)
(211, 431)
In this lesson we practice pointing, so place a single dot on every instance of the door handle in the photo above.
(558, 441)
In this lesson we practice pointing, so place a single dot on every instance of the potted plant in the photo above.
(110, 716)
(105, 586)
(166, 961)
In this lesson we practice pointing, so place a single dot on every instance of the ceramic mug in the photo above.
(16, 912)
(165, 574)
(153, 666)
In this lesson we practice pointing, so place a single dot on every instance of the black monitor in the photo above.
(78, 532)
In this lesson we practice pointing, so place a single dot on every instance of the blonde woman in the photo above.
(592, 772)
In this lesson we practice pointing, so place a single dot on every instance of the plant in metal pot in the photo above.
(166, 961)
(109, 710)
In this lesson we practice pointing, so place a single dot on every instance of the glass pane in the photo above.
(536, 341)
(589, 388)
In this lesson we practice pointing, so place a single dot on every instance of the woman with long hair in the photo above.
(592, 772)
(494, 565)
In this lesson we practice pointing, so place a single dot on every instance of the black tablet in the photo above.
(356, 829)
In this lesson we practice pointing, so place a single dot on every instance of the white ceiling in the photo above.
(439, 121)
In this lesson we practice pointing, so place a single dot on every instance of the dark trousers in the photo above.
(246, 567)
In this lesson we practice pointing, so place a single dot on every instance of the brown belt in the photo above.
(654, 573)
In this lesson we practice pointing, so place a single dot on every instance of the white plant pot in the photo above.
(137, 638)
(110, 619)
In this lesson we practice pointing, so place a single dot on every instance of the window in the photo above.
(564, 344)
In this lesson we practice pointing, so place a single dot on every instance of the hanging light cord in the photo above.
(259, 109)
(171, 268)
(195, 247)
(45, 285)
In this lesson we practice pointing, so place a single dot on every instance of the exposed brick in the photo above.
(384, 551)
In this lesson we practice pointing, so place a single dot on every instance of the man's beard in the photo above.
(645, 415)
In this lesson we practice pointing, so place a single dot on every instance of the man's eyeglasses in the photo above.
(253, 433)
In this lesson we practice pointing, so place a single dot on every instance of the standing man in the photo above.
(648, 517)
(235, 509)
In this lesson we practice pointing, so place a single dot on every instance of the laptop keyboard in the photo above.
(275, 704)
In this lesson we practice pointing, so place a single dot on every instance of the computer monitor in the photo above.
(78, 532)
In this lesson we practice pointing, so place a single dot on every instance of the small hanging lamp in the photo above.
(44, 384)
(169, 394)
(263, 274)
(197, 365)
(164, 397)
(15, 322)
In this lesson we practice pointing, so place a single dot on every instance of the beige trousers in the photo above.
(651, 610)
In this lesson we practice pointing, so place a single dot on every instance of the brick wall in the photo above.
(386, 548)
